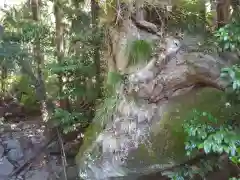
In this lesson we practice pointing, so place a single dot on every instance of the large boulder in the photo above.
(133, 146)
(141, 132)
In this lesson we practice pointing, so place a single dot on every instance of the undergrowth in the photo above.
(139, 51)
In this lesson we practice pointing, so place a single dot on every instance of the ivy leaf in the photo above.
(215, 147)
(207, 147)
(218, 137)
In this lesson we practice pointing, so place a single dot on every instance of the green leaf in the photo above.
(234, 159)
(207, 147)
(215, 147)
(225, 38)
(203, 135)
(235, 86)
(220, 150)
(218, 137)
(226, 149)
(200, 146)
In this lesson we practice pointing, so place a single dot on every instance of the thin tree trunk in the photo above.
(94, 13)
(40, 86)
(3, 78)
(58, 13)
(203, 15)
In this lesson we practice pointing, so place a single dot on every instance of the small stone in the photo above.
(5, 167)
(15, 154)
(13, 144)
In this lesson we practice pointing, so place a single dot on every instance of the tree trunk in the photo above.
(58, 13)
(40, 86)
(3, 78)
(223, 12)
(94, 13)
(203, 15)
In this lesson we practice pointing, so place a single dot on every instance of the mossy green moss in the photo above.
(102, 117)
(166, 145)
(169, 142)
(139, 50)
(89, 137)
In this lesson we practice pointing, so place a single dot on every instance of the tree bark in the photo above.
(58, 13)
(40, 86)
(94, 13)
(3, 78)
(223, 12)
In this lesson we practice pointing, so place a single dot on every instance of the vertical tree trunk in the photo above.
(58, 13)
(223, 12)
(94, 13)
(3, 78)
(203, 14)
(40, 86)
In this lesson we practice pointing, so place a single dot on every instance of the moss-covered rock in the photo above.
(165, 144)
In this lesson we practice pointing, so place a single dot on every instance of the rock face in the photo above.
(5, 167)
(144, 133)
(142, 141)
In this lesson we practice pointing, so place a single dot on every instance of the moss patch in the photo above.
(89, 137)
(169, 142)
(102, 117)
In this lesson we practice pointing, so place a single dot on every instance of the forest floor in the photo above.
(25, 152)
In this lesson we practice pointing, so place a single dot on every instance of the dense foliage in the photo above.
(70, 75)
